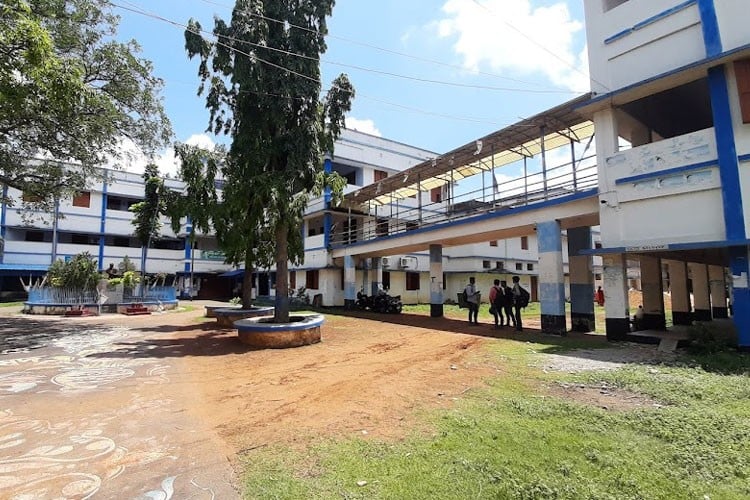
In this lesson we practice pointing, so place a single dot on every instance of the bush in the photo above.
(706, 339)
(80, 272)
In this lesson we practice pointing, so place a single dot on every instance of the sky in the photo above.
(464, 68)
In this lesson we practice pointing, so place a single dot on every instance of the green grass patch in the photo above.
(11, 304)
(511, 440)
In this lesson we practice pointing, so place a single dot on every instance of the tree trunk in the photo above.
(144, 256)
(247, 283)
(281, 314)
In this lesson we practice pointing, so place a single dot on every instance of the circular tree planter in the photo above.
(263, 333)
(225, 317)
(211, 310)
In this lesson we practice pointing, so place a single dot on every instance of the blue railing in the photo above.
(53, 295)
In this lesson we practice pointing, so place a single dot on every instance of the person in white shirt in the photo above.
(472, 301)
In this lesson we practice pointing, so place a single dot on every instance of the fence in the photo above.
(53, 295)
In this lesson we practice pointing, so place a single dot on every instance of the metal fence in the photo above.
(54, 295)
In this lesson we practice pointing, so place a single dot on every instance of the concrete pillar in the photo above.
(551, 277)
(701, 294)
(376, 275)
(436, 281)
(581, 280)
(652, 288)
(678, 286)
(717, 284)
(616, 296)
(740, 267)
(350, 282)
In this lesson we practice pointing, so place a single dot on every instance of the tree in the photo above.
(263, 78)
(70, 93)
(147, 220)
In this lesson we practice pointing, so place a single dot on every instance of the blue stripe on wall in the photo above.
(649, 21)
(734, 218)
(710, 24)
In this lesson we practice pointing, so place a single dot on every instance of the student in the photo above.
(600, 296)
(472, 301)
(520, 300)
(508, 303)
(497, 301)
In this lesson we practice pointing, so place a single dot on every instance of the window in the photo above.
(351, 178)
(80, 239)
(381, 228)
(524, 242)
(311, 231)
(350, 231)
(436, 194)
(412, 281)
(411, 226)
(598, 277)
(386, 280)
(742, 73)
(342, 281)
(486, 264)
(312, 279)
(120, 203)
(499, 264)
(34, 236)
(82, 199)
(519, 266)
(529, 267)
(31, 198)
(273, 280)
(598, 244)
(493, 243)
(445, 282)
(611, 4)
(379, 175)
(293, 280)
(119, 241)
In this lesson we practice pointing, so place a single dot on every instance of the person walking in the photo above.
(508, 303)
(472, 301)
(600, 296)
(497, 299)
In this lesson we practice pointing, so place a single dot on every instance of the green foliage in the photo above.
(70, 92)
(80, 272)
(269, 104)
(125, 265)
(147, 219)
(114, 281)
(130, 279)
(708, 339)
(235, 301)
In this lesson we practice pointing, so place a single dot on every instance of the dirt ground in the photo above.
(161, 406)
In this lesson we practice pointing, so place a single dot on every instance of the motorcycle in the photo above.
(381, 302)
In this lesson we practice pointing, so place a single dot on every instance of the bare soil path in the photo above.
(159, 406)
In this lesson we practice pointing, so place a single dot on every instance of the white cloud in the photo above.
(366, 126)
(512, 35)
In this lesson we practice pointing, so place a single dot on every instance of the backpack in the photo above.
(499, 298)
(523, 299)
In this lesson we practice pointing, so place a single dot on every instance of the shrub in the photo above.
(80, 272)
(706, 339)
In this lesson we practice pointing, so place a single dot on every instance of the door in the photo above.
(534, 289)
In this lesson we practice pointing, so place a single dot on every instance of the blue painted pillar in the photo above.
(581, 280)
(436, 281)
(103, 225)
(718, 284)
(741, 294)
(376, 275)
(652, 289)
(551, 277)
(3, 213)
(350, 282)
(327, 217)
(701, 296)
(616, 297)
(188, 246)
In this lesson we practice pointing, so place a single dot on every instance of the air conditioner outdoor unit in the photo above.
(403, 262)
(385, 262)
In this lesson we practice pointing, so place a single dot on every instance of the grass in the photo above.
(11, 304)
(512, 440)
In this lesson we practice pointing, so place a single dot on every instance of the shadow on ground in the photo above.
(23, 334)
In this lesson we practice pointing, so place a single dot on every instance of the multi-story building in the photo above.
(672, 77)
(98, 222)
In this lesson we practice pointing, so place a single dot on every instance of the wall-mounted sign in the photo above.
(647, 248)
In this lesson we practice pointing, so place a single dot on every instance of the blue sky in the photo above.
(536, 47)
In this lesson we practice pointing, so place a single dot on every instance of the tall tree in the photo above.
(69, 92)
(262, 82)
(147, 220)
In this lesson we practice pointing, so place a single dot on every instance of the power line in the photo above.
(527, 37)
(137, 10)
(403, 54)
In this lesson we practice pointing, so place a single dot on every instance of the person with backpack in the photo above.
(472, 301)
(508, 303)
(497, 302)
(520, 300)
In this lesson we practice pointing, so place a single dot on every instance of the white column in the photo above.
(436, 281)
(678, 286)
(350, 282)
(652, 288)
(376, 275)
(616, 296)
(581, 280)
(551, 277)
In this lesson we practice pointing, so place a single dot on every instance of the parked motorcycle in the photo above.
(380, 302)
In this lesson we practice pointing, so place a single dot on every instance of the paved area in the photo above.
(78, 423)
